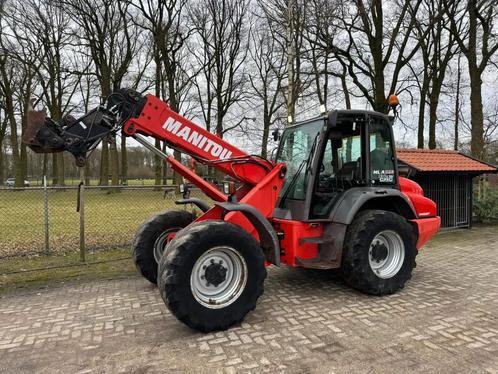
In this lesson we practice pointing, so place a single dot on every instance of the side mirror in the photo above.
(276, 135)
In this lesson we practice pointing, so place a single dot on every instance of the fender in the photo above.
(267, 236)
(201, 204)
(353, 200)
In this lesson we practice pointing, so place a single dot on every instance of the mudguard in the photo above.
(267, 236)
(354, 199)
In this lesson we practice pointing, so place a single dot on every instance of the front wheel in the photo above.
(379, 252)
(212, 275)
(152, 238)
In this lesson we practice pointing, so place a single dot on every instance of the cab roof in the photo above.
(332, 116)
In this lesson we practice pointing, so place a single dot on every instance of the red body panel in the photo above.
(427, 228)
(427, 222)
(158, 120)
(424, 207)
(263, 196)
(262, 180)
(293, 232)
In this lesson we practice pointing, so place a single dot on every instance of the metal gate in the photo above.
(452, 194)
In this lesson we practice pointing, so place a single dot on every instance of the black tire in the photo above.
(147, 234)
(178, 264)
(356, 269)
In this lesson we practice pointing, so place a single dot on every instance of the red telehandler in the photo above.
(332, 199)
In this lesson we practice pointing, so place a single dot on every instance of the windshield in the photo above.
(295, 150)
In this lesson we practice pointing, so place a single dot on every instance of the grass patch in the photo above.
(41, 271)
(111, 218)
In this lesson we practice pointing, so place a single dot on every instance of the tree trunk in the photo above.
(476, 112)
(45, 164)
(55, 160)
(291, 57)
(60, 169)
(457, 106)
(178, 178)
(345, 90)
(421, 111)
(114, 157)
(164, 167)
(157, 165)
(124, 161)
(18, 174)
(432, 120)
(104, 164)
(87, 174)
(380, 101)
(114, 162)
(2, 172)
(266, 133)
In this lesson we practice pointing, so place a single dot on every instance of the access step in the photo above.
(317, 263)
(316, 240)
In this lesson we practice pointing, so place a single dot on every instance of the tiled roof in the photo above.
(442, 160)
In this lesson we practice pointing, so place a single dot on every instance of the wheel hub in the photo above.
(218, 277)
(162, 242)
(379, 252)
(215, 273)
(386, 254)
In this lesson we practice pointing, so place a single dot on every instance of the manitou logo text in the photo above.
(196, 139)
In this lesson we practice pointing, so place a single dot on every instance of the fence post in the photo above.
(81, 209)
(45, 215)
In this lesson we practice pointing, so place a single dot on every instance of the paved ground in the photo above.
(446, 320)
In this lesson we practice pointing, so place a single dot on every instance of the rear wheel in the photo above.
(152, 238)
(379, 252)
(212, 275)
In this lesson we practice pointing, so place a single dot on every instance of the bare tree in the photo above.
(375, 44)
(266, 80)
(166, 24)
(474, 30)
(286, 19)
(221, 30)
(3, 131)
(18, 66)
(111, 41)
(47, 27)
(323, 15)
(458, 105)
(437, 49)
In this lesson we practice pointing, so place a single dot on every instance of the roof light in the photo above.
(393, 101)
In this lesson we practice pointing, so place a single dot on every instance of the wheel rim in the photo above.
(386, 254)
(162, 242)
(218, 277)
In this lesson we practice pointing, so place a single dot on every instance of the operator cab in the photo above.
(330, 155)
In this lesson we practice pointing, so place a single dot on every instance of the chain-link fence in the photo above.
(41, 220)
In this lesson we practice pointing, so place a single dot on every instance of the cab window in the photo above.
(382, 170)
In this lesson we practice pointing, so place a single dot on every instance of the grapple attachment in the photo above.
(77, 136)
(42, 134)
(80, 136)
